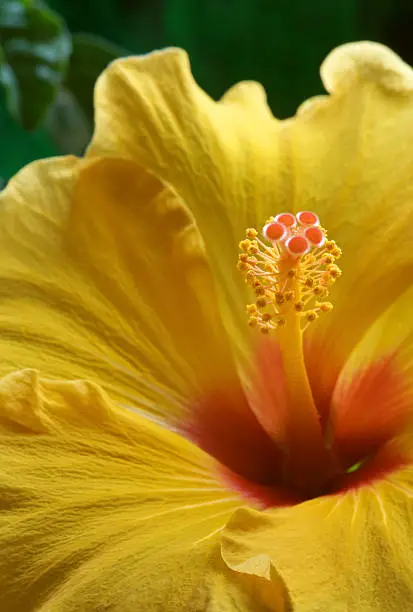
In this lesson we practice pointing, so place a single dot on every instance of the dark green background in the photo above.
(278, 42)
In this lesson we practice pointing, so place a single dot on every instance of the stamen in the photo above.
(293, 273)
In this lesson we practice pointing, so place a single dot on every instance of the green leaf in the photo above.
(90, 56)
(35, 50)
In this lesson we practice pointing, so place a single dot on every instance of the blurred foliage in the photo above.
(279, 43)
(34, 56)
(90, 56)
(18, 147)
(47, 77)
(51, 55)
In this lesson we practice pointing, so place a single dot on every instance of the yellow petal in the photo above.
(390, 335)
(103, 277)
(347, 552)
(102, 509)
(353, 158)
(223, 159)
(216, 155)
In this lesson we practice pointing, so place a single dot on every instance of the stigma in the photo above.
(291, 269)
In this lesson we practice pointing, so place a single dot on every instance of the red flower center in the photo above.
(246, 432)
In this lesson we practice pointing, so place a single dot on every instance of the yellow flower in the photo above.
(160, 453)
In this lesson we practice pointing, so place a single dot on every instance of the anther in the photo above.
(311, 315)
(242, 266)
(336, 252)
(318, 290)
(252, 309)
(334, 271)
(324, 306)
(260, 290)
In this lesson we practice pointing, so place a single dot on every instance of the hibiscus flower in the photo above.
(177, 434)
